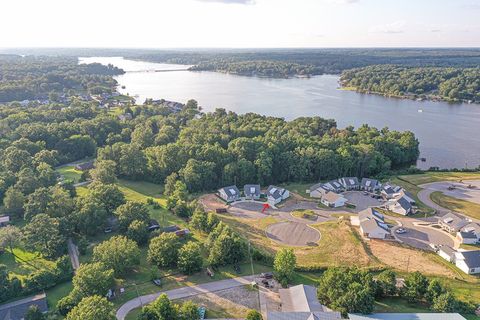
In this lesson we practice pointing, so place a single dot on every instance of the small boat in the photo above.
(423, 159)
(420, 110)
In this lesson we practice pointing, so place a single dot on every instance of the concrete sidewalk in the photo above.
(184, 292)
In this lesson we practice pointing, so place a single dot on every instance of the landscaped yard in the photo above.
(70, 173)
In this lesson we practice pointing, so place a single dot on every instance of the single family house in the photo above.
(452, 223)
(229, 194)
(470, 234)
(318, 190)
(350, 183)
(276, 194)
(468, 261)
(447, 253)
(372, 224)
(369, 185)
(333, 200)
(252, 191)
(400, 206)
(334, 186)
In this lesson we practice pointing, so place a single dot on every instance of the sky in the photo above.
(239, 23)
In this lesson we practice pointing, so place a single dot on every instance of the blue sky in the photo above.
(240, 23)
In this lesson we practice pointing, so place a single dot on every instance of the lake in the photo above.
(449, 134)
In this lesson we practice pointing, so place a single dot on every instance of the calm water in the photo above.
(449, 134)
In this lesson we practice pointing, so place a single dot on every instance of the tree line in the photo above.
(450, 84)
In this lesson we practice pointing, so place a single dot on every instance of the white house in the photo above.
(468, 261)
(276, 194)
(447, 253)
(229, 194)
(400, 206)
(372, 224)
(333, 200)
(252, 191)
(452, 223)
(470, 234)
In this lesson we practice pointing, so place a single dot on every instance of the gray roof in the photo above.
(251, 189)
(350, 181)
(16, 310)
(448, 250)
(231, 191)
(471, 228)
(303, 316)
(407, 316)
(370, 183)
(404, 203)
(370, 213)
(468, 235)
(275, 192)
(453, 221)
(301, 298)
(472, 258)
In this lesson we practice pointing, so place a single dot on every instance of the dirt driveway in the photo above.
(293, 233)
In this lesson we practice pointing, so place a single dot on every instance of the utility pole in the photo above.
(408, 263)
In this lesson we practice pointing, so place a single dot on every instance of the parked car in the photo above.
(157, 282)
(401, 231)
(107, 230)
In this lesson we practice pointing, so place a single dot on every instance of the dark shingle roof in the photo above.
(16, 310)
(231, 191)
(472, 258)
(251, 189)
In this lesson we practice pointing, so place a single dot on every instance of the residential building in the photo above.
(16, 310)
(252, 191)
(333, 200)
(229, 194)
(401, 206)
(301, 303)
(334, 186)
(125, 117)
(468, 261)
(452, 222)
(372, 224)
(370, 185)
(4, 221)
(389, 192)
(406, 316)
(318, 190)
(470, 234)
(447, 253)
(276, 195)
(350, 183)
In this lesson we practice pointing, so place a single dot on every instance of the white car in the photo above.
(401, 231)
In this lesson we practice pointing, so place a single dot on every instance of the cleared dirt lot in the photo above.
(461, 190)
(293, 233)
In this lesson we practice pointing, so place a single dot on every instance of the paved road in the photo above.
(183, 292)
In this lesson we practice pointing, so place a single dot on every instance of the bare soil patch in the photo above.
(293, 233)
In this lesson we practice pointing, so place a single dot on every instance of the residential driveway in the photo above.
(183, 292)
(361, 201)
(419, 236)
(461, 189)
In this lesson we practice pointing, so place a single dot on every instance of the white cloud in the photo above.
(342, 1)
(394, 27)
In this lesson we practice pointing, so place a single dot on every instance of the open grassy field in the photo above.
(432, 176)
(468, 208)
(70, 173)
(24, 262)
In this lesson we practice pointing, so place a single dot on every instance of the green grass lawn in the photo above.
(432, 176)
(58, 292)
(468, 208)
(24, 262)
(398, 305)
(298, 188)
(70, 173)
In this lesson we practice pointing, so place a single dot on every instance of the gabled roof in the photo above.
(370, 183)
(448, 250)
(468, 235)
(301, 298)
(275, 192)
(404, 203)
(453, 221)
(471, 258)
(370, 213)
(231, 191)
(349, 181)
(471, 227)
(406, 316)
(332, 197)
(251, 189)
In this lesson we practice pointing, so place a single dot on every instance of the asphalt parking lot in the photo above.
(361, 201)
(460, 190)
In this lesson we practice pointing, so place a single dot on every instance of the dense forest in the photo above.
(450, 84)
(283, 62)
(28, 78)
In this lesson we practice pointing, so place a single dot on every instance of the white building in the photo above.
(372, 224)
(229, 194)
(401, 206)
(252, 191)
(317, 190)
(468, 261)
(276, 195)
(447, 253)
(470, 234)
(333, 200)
